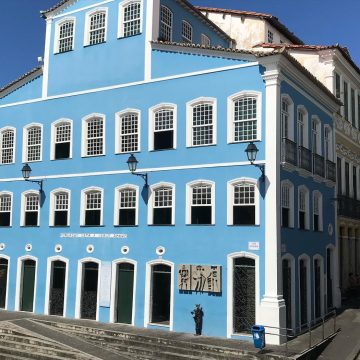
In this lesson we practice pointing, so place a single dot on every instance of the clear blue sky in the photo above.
(314, 21)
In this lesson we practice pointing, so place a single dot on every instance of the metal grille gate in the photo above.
(243, 295)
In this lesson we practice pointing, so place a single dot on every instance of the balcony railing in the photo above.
(348, 207)
(330, 170)
(318, 165)
(289, 152)
(304, 158)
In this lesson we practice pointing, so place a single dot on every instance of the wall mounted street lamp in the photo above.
(26, 171)
(132, 164)
(251, 152)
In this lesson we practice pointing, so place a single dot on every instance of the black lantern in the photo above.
(26, 171)
(132, 164)
(251, 153)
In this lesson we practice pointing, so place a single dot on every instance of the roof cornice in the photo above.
(61, 5)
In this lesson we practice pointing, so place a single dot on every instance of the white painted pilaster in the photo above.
(46, 59)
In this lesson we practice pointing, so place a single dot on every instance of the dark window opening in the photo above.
(244, 215)
(31, 218)
(301, 220)
(62, 150)
(201, 215)
(92, 217)
(316, 222)
(5, 219)
(163, 140)
(60, 218)
(285, 217)
(127, 217)
(162, 216)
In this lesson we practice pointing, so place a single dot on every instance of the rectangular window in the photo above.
(129, 136)
(316, 213)
(127, 210)
(61, 209)
(62, 141)
(346, 101)
(7, 146)
(5, 210)
(347, 179)
(353, 119)
(339, 177)
(164, 129)
(205, 40)
(132, 18)
(244, 205)
(285, 119)
(270, 37)
(186, 32)
(285, 206)
(34, 144)
(166, 20)
(302, 210)
(66, 36)
(202, 124)
(355, 182)
(95, 134)
(97, 28)
(337, 86)
(201, 205)
(245, 119)
(31, 210)
(93, 209)
(162, 206)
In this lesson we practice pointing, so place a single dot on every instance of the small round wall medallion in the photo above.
(330, 229)
(2, 246)
(90, 249)
(160, 250)
(125, 250)
(28, 247)
(58, 248)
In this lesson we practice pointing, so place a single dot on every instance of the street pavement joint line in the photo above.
(74, 342)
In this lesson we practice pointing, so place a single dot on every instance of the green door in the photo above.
(28, 285)
(3, 282)
(125, 286)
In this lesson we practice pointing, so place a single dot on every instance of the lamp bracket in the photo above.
(143, 176)
(39, 182)
(262, 169)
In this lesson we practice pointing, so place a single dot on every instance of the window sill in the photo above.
(161, 225)
(90, 45)
(30, 226)
(91, 226)
(69, 158)
(200, 224)
(242, 225)
(125, 226)
(59, 226)
(63, 52)
(156, 150)
(130, 152)
(5, 226)
(91, 156)
(126, 37)
(199, 146)
(288, 227)
(303, 229)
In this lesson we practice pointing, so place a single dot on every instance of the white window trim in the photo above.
(291, 259)
(302, 109)
(147, 302)
(317, 120)
(118, 116)
(331, 142)
(307, 207)
(122, 6)
(19, 280)
(53, 194)
(230, 197)
(79, 284)
(23, 206)
(230, 275)
(317, 192)
(84, 134)
(53, 136)
(83, 204)
(50, 260)
(114, 265)
(2, 256)
(322, 283)
(87, 24)
(189, 119)
(12, 205)
(290, 103)
(189, 187)
(172, 21)
(151, 201)
(182, 33)
(117, 202)
(230, 114)
(306, 258)
(57, 33)
(152, 112)
(25, 138)
(2, 130)
(291, 201)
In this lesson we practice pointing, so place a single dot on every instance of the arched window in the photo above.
(162, 130)
(205, 40)
(187, 31)
(30, 208)
(126, 205)
(162, 204)
(130, 23)
(200, 203)
(303, 208)
(328, 143)
(92, 207)
(128, 131)
(201, 122)
(316, 136)
(61, 135)
(317, 211)
(5, 208)
(60, 207)
(32, 143)
(166, 23)
(96, 23)
(7, 146)
(65, 35)
(93, 135)
(287, 204)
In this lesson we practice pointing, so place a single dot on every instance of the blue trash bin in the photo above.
(258, 333)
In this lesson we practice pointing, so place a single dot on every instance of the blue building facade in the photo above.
(159, 81)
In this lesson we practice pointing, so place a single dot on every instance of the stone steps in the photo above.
(149, 347)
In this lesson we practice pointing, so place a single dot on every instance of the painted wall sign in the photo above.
(105, 284)
(199, 278)
(87, 235)
(254, 245)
